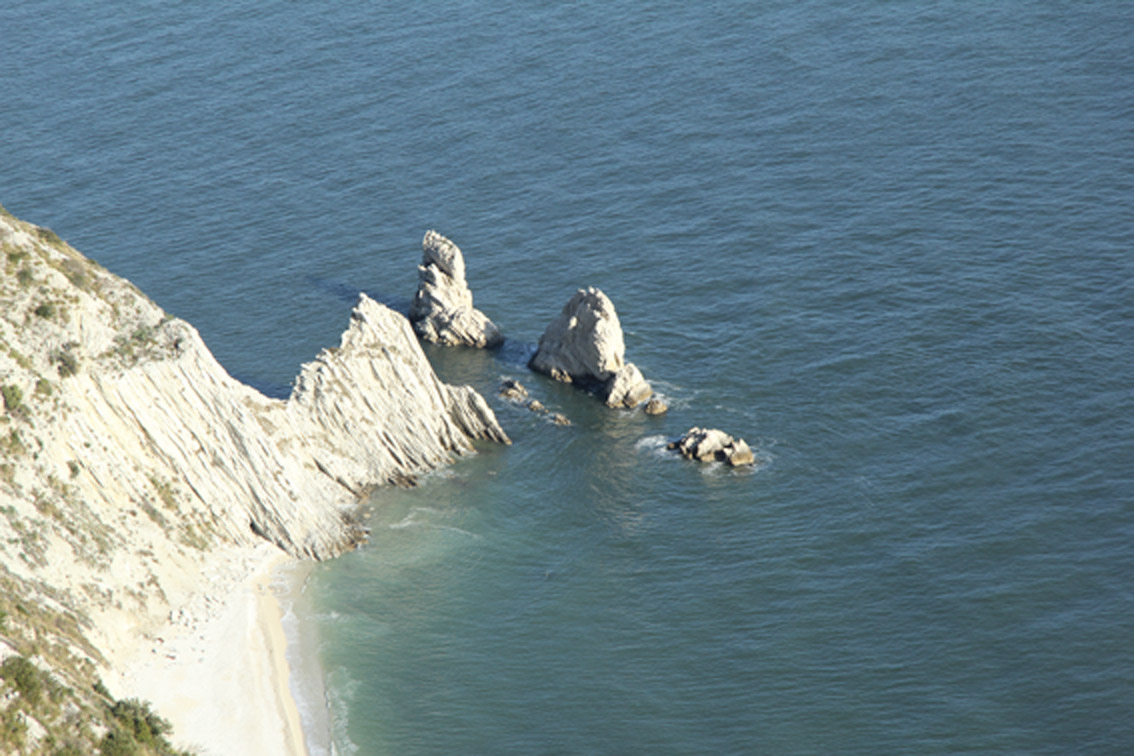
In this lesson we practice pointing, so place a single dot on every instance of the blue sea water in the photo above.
(890, 244)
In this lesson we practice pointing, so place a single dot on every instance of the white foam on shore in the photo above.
(337, 704)
(306, 680)
(654, 445)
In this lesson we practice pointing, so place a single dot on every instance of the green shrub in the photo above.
(47, 235)
(12, 728)
(13, 397)
(24, 676)
(118, 743)
(68, 363)
(25, 277)
(43, 387)
(13, 445)
(45, 310)
(137, 718)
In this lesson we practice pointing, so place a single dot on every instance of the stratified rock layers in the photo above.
(133, 467)
(142, 412)
(584, 345)
(368, 412)
(442, 310)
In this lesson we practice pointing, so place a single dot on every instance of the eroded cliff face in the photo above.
(128, 454)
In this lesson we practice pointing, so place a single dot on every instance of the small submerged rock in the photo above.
(712, 445)
(515, 391)
(584, 345)
(656, 406)
(442, 310)
(512, 389)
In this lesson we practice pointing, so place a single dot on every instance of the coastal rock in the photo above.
(627, 388)
(656, 407)
(442, 310)
(372, 410)
(140, 465)
(559, 418)
(535, 405)
(584, 345)
(710, 444)
(512, 389)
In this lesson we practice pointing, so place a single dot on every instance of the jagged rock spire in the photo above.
(442, 309)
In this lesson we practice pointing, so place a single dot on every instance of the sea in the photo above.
(890, 244)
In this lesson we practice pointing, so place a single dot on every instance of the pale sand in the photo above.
(218, 671)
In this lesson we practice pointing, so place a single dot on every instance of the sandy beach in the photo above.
(218, 671)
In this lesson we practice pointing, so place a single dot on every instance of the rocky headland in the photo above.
(132, 464)
(146, 493)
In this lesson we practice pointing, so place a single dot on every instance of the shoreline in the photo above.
(306, 683)
(218, 669)
(269, 622)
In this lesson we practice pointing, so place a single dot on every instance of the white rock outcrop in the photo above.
(712, 445)
(442, 310)
(584, 345)
(130, 459)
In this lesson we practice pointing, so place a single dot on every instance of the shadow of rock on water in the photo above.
(515, 354)
(347, 292)
(398, 304)
(479, 368)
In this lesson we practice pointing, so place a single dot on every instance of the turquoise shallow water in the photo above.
(888, 243)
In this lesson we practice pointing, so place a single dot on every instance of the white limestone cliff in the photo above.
(584, 345)
(442, 310)
(129, 458)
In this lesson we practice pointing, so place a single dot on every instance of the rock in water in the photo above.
(442, 309)
(656, 407)
(710, 444)
(584, 346)
(628, 388)
(512, 389)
